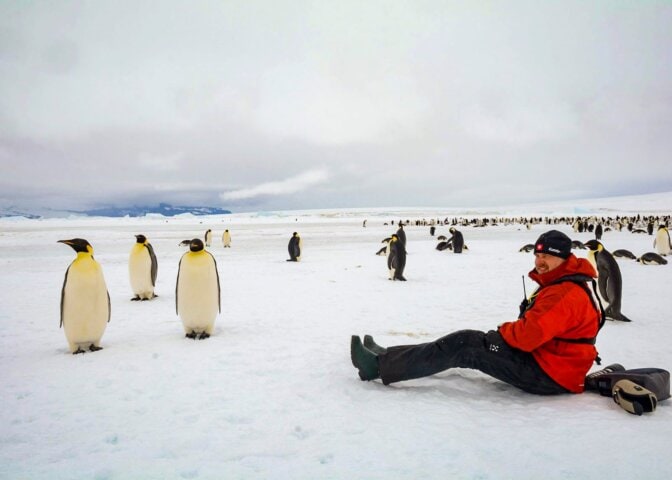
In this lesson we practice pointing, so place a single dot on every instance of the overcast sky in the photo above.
(269, 105)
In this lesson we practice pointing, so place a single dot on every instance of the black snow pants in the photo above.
(487, 352)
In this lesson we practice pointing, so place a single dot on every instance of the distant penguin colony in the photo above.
(197, 291)
(609, 280)
(142, 269)
(294, 248)
(85, 301)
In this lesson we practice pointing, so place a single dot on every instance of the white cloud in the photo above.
(282, 187)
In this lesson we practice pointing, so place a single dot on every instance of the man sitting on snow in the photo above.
(548, 350)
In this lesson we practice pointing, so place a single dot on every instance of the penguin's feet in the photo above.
(203, 336)
(135, 299)
(191, 335)
(79, 350)
(94, 348)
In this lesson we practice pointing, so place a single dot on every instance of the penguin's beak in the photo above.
(67, 242)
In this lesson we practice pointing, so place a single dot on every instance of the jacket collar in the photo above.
(572, 266)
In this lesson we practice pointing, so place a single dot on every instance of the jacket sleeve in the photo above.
(548, 318)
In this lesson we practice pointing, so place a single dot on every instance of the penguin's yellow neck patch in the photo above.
(85, 263)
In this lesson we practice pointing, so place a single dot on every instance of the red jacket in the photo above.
(562, 310)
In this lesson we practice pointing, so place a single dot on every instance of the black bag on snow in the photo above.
(656, 380)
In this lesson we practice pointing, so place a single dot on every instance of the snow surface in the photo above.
(273, 393)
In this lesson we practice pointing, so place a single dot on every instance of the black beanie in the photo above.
(554, 243)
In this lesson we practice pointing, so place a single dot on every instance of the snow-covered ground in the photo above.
(273, 393)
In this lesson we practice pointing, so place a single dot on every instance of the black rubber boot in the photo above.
(363, 359)
(373, 346)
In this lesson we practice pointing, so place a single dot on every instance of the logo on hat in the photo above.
(540, 246)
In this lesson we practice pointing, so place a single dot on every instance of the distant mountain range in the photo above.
(135, 211)
(11, 212)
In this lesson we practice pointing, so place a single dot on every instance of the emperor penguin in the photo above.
(598, 231)
(457, 240)
(294, 247)
(208, 237)
(197, 291)
(142, 269)
(383, 250)
(662, 241)
(85, 301)
(623, 253)
(527, 247)
(652, 258)
(226, 239)
(401, 234)
(609, 280)
(396, 259)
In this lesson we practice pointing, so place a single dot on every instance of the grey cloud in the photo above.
(422, 103)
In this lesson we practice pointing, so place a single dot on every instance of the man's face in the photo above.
(544, 263)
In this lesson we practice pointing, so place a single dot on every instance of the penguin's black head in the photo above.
(78, 245)
(593, 245)
(141, 238)
(196, 245)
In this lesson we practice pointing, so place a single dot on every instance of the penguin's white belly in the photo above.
(140, 273)
(85, 308)
(197, 294)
